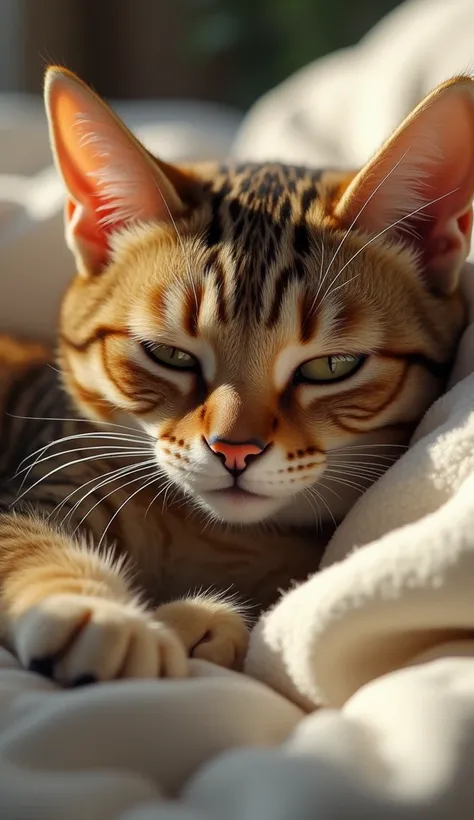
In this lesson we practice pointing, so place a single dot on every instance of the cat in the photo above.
(243, 349)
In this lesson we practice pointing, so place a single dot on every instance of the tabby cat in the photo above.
(243, 349)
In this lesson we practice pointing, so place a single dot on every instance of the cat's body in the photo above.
(266, 336)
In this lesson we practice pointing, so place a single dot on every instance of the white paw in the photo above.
(78, 639)
(209, 629)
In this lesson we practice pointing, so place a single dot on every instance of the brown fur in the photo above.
(253, 270)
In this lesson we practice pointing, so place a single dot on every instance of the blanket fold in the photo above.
(398, 573)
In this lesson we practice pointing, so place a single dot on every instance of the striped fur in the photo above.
(253, 270)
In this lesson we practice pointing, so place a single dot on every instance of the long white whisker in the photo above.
(357, 469)
(183, 249)
(147, 484)
(136, 468)
(42, 450)
(112, 473)
(63, 467)
(103, 480)
(320, 497)
(317, 514)
(347, 483)
(358, 446)
(95, 435)
(78, 436)
(352, 462)
(91, 422)
(329, 489)
(368, 464)
(341, 243)
(155, 497)
(105, 448)
(380, 233)
(364, 476)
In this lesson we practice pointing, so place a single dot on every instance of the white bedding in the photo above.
(382, 639)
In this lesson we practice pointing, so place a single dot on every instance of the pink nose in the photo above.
(235, 455)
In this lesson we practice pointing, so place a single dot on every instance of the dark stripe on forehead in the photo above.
(214, 231)
(309, 196)
(220, 292)
(286, 277)
(301, 239)
(259, 212)
(192, 309)
(99, 335)
(308, 317)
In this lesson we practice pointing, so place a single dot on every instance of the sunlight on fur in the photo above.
(248, 347)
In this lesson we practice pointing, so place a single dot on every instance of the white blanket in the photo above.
(382, 639)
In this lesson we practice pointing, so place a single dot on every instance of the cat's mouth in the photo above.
(238, 494)
(236, 505)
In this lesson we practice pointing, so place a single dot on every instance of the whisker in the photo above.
(320, 497)
(183, 249)
(105, 448)
(341, 243)
(112, 473)
(76, 436)
(63, 467)
(91, 422)
(380, 233)
(367, 444)
(350, 462)
(362, 464)
(317, 514)
(329, 489)
(363, 472)
(347, 483)
(370, 477)
(140, 489)
(42, 450)
(155, 497)
(136, 468)
(105, 479)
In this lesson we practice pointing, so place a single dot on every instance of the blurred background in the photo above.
(227, 51)
(185, 75)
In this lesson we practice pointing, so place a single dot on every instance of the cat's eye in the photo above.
(329, 368)
(170, 356)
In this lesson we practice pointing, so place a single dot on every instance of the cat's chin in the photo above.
(239, 507)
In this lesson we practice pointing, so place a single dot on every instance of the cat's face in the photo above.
(267, 346)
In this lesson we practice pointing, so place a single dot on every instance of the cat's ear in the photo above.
(420, 185)
(111, 180)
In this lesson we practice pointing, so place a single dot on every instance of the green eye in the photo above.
(170, 356)
(329, 368)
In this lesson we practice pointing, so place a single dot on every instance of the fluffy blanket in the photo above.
(382, 641)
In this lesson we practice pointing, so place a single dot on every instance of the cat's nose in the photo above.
(235, 455)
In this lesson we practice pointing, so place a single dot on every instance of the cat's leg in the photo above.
(70, 613)
(210, 627)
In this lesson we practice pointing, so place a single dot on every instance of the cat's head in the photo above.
(271, 327)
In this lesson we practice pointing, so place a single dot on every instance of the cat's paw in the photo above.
(209, 628)
(77, 639)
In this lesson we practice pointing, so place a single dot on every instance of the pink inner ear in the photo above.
(420, 185)
(86, 236)
(111, 180)
(430, 159)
